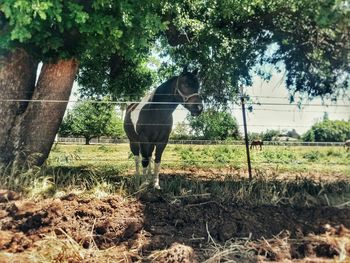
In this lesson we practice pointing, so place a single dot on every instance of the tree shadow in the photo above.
(199, 212)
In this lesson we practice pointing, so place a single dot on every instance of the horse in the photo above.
(148, 124)
(347, 145)
(256, 143)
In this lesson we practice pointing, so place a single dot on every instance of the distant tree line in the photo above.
(94, 120)
(328, 131)
(274, 135)
(210, 125)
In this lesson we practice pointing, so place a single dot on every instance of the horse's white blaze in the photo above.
(135, 114)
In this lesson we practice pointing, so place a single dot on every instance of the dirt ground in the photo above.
(226, 172)
(140, 228)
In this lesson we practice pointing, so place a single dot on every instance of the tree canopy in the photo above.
(110, 39)
(92, 120)
(214, 125)
(328, 131)
(227, 39)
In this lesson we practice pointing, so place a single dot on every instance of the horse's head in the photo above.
(187, 88)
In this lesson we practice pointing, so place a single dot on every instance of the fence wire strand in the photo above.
(166, 102)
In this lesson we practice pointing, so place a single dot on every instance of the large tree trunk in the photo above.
(31, 128)
(17, 82)
(44, 114)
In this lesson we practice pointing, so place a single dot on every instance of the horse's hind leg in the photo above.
(159, 151)
(135, 149)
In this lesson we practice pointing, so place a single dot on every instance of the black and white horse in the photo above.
(148, 124)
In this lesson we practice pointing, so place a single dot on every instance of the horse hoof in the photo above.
(156, 186)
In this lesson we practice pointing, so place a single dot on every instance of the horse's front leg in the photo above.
(158, 157)
(135, 149)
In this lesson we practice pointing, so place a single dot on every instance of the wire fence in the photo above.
(77, 140)
(265, 106)
(206, 161)
(116, 102)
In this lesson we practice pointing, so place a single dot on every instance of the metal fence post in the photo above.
(246, 135)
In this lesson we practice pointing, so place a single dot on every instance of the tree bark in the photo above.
(44, 115)
(28, 129)
(17, 82)
(87, 140)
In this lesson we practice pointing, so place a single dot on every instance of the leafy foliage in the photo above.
(181, 132)
(92, 120)
(293, 134)
(270, 134)
(226, 39)
(214, 125)
(54, 28)
(328, 131)
(93, 32)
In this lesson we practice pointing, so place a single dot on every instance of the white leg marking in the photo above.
(156, 175)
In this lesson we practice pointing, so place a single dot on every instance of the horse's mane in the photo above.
(164, 86)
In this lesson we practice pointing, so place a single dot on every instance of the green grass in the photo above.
(104, 169)
(293, 159)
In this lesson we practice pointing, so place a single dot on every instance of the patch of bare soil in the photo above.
(153, 229)
(225, 173)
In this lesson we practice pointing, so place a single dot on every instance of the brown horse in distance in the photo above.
(256, 143)
(347, 145)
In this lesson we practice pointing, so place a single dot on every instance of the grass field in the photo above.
(292, 159)
(190, 168)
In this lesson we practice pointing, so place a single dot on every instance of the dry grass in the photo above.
(54, 249)
(264, 189)
(332, 246)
